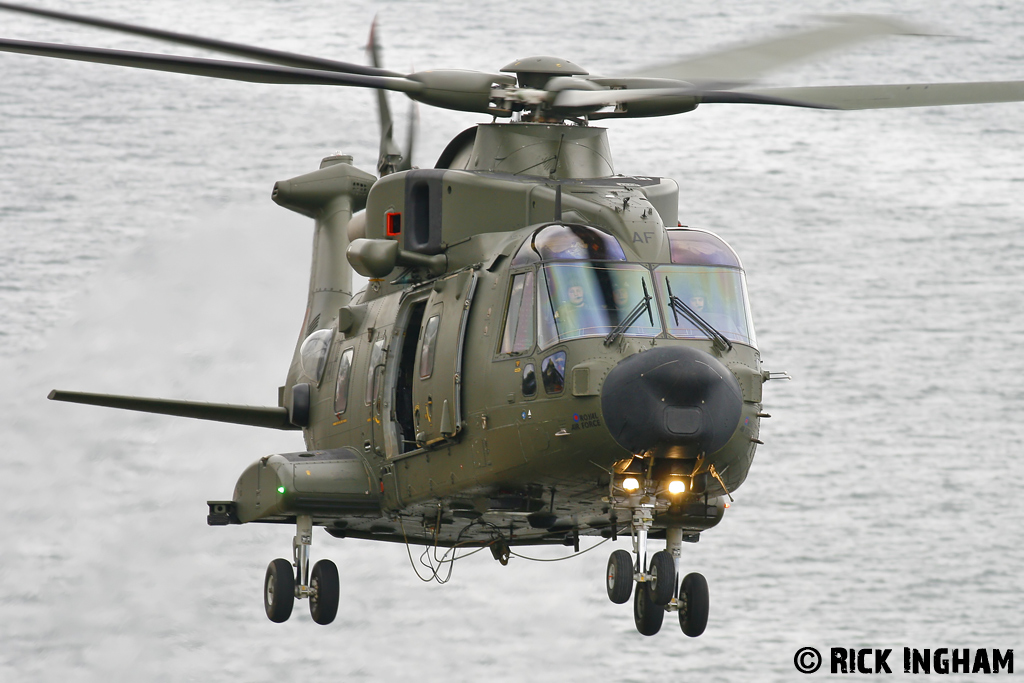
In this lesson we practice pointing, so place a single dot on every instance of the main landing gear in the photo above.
(657, 589)
(285, 581)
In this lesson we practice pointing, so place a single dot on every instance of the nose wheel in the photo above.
(658, 589)
(287, 581)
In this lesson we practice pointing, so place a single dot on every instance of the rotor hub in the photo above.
(535, 72)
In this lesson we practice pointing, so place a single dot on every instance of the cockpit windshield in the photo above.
(717, 296)
(585, 288)
(704, 286)
(592, 299)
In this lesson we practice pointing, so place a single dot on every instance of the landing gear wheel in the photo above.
(646, 614)
(662, 581)
(324, 592)
(694, 618)
(279, 591)
(619, 577)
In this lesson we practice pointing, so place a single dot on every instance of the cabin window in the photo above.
(589, 299)
(529, 381)
(372, 376)
(429, 347)
(552, 371)
(341, 390)
(518, 335)
(313, 354)
(568, 243)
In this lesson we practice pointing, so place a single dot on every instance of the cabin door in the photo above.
(437, 381)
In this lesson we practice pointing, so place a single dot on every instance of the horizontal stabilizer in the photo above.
(255, 416)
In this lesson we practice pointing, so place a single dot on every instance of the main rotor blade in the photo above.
(855, 97)
(211, 68)
(572, 99)
(389, 155)
(843, 97)
(446, 88)
(410, 144)
(748, 63)
(223, 46)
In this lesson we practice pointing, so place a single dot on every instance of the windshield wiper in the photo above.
(628, 321)
(679, 307)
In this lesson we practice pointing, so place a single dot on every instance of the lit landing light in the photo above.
(676, 486)
(630, 484)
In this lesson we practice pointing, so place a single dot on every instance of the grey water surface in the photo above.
(141, 254)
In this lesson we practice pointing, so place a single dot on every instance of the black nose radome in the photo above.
(675, 400)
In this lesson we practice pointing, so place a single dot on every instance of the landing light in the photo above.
(676, 486)
(630, 484)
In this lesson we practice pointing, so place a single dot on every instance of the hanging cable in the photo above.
(435, 572)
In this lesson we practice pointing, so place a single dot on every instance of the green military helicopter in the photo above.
(542, 352)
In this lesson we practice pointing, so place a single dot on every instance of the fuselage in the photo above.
(534, 342)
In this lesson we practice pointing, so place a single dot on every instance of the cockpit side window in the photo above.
(572, 242)
(518, 334)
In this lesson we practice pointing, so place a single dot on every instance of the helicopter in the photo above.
(446, 437)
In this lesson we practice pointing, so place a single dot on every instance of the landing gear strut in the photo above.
(287, 581)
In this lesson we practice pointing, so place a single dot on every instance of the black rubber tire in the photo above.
(325, 591)
(662, 581)
(646, 614)
(279, 591)
(619, 577)
(694, 619)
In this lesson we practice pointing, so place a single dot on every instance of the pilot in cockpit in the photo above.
(621, 295)
(696, 302)
(575, 314)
